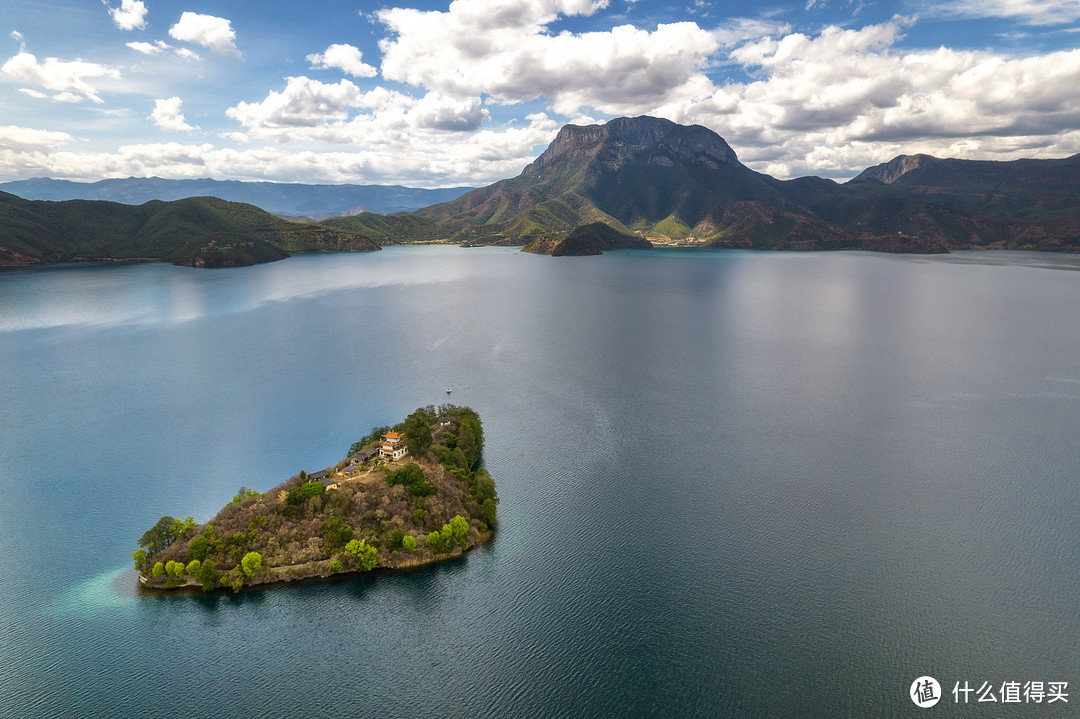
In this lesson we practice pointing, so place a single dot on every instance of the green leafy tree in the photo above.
(457, 458)
(180, 527)
(165, 532)
(208, 575)
(354, 547)
(436, 544)
(466, 444)
(158, 537)
(412, 476)
(482, 487)
(395, 539)
(251, 563)
(369, 558)
(194, 567)
(158, 569)
(417, 430)
(409, 542)
(139, 555)
(487, 511)
(312, 489)
(459, 531)
(243, 494)
(335, 534)
(375, 434)
(197, 549)
(175, 569)
(336, 566)
(362, 552)
(233, 579)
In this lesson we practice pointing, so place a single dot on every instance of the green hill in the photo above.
(199, 231)
(1028, 188)
(590, 239)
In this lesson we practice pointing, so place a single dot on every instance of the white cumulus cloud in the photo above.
(503, 48)
(168, 115)
(147, 48)
(311, 111)
(469, 159)
(131, 15)
(13, 137)
(303, 103)
(212, 32)
(68, 78)
(845, 99)
(346, 58)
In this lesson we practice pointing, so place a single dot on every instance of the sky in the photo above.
(436, 93)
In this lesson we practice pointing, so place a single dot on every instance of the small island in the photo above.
(404, 496)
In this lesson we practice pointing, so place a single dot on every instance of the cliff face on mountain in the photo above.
(651, 140)
(894, 169)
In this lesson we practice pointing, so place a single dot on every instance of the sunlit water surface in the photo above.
(732, 483)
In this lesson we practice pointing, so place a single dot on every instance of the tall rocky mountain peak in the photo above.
(889, 172)
(663, 141)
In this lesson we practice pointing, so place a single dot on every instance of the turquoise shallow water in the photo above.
(733, 484)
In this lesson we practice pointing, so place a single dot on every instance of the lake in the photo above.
(732, 483)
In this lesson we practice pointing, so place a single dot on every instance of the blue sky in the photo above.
(446, 93)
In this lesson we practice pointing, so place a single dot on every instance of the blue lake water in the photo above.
(732, 483)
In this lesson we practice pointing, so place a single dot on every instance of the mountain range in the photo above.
(653, 179)
(633, 182)
(293, 200)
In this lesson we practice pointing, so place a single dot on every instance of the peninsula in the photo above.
(405, 496)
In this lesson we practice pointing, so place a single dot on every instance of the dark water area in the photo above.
(732, 483)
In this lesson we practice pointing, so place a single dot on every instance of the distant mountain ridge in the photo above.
(1025, 187)
(314, 201)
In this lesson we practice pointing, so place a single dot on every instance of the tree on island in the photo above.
(373, 436)
(251, 563)
(363, 553)
(243, 494)
(417, 430)
(165, 532)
